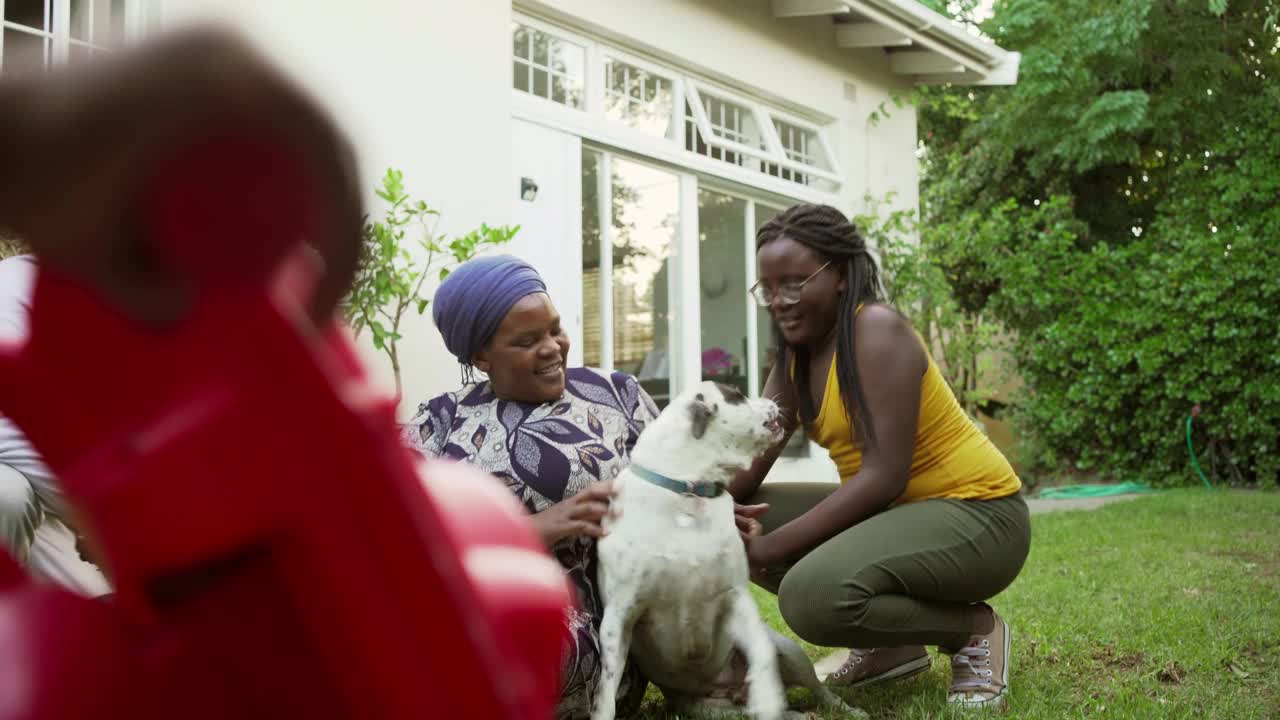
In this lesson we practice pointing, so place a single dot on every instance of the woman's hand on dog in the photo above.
(745, 517)
(750, 530)
(579, 515)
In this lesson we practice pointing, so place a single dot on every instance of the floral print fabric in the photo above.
(546, 453)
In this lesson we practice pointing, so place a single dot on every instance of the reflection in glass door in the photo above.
(722, 262)
(626, 323)
(766, 341)
(737, 335)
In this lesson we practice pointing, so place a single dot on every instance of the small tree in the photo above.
(389, 280)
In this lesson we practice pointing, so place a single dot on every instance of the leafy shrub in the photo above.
(390, 277)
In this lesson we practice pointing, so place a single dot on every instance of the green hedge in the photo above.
(1116, 344)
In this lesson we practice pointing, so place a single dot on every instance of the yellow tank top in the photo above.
(952, 458)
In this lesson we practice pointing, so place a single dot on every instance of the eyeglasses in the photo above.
(787, 293)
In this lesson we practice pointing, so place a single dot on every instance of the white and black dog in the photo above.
(673, 573)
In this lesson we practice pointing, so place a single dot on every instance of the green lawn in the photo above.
(1164, 607)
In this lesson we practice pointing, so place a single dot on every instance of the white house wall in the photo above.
(422, 86)
(425, 86)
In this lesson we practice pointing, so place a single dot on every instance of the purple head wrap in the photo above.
(471, 302)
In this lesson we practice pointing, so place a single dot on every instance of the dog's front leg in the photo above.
(615, 642)
(766, 698)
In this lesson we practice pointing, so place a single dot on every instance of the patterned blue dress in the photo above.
(546, 453)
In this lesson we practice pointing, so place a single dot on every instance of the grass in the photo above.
(1164, 607)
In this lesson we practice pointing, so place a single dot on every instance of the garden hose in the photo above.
(1088, 491)
(1191, 451)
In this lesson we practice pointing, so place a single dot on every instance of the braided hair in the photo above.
(827, 232)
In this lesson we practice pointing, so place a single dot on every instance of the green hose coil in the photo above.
(1191, 451)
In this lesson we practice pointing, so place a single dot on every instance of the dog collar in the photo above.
(699, 489)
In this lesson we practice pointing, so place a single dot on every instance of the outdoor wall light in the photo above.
(528, 189)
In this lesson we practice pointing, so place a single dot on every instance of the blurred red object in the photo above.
(276, 552)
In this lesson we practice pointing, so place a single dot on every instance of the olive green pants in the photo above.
(909, 575)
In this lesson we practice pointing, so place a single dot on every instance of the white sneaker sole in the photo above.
(993, 702)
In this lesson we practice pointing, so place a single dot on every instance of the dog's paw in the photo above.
(769, 707)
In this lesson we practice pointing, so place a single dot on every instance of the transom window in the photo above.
(547, 66)
(656, 101)
(637, 97)
(731, 121)
(804, 146)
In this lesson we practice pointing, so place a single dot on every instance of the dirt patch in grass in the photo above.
(1109, 658)
(1267, 566)
(1171, 674)
(1261, 650)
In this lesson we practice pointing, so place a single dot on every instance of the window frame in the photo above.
(684, 326)
(675, 124)
(57, 36)
(590, 123)
(774, 153)
(824, 145)
(565, 37)
(677, 329)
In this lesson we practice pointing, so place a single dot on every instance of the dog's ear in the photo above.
(700, 414)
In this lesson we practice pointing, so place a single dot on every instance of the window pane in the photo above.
(722, 225)
(91, 21)
(567, 59)
(26, 12)
(802, 146)
(732, 121)
(520, 76)
(565, 91)
(591, 344)
(519, 41)
(646, 208)
(23, 52)
(638, 98)
(696, 143)
(767, 342)
(540, 48)
(558, 66)
(540, 83)
(117, 17)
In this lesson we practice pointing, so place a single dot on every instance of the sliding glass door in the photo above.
(660, 301)
(626, 309)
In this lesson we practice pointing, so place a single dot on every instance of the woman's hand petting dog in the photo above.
(745, 517)
(750, 530)
(579, 515)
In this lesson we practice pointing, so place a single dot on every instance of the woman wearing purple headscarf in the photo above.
(556, 436)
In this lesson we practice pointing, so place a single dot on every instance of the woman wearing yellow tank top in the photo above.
(928, 521)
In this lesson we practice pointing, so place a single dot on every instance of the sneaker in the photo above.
(980, 670)
(873, 665)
